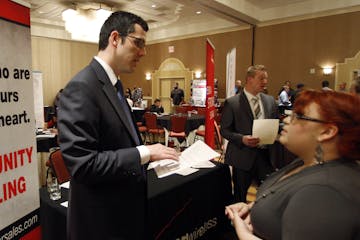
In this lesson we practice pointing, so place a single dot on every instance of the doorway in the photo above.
(166, 86)
(172, 70)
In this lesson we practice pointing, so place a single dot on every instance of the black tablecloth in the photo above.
(190, 207)
(44, 144)
(192, 122)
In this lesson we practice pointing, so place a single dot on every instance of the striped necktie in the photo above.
(256, 105)
(125, 107)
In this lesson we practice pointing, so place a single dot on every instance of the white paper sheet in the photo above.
(266, 130)
(42, 136)
(195, 156)
(186, 171)
(65, 185)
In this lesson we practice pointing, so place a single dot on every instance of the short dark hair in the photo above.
(300, 85)
(123, 23)
(325, 83)
(157, 100)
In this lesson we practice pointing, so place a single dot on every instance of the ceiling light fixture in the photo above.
(198, 12)
(85, 24)
(327, 70)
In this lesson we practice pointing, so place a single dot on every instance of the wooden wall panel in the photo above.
(59, 61)
(289, 50)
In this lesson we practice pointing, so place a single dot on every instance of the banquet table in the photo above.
(179, 207)
(192, 122)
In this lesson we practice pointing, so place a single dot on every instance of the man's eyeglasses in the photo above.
(139, 42)
(305, 118)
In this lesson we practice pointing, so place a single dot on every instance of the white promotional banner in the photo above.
(19, 186)
(230, 72)
(38, 99)
(198, 97)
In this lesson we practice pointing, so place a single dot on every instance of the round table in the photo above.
(193, 122)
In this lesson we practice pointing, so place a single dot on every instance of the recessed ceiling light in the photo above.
(153, 5)
(198, 12)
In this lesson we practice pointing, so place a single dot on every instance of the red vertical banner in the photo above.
(210, 106)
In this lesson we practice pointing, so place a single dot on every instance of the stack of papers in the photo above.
(198, 155)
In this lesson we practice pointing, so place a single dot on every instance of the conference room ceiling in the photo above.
(176, 19)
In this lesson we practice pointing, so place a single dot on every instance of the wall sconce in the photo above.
(327, 70)
(197, 74)
(148, 76)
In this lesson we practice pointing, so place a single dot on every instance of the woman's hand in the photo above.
(238, 213)
(242, 209)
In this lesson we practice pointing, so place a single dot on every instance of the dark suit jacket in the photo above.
(237, 121)
(108, 188)
(156, 109)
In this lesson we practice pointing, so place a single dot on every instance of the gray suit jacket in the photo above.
(108, 187)
(237, 121)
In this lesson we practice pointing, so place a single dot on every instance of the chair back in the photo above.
(58, 166)
(178, 123)
(180, 109)
(150, 120)
(201, 111)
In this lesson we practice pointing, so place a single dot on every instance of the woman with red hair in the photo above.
(318, 195)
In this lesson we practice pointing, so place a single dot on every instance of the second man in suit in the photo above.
(249, 160)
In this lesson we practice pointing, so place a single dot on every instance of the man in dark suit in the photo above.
(100, 142)
(156, 107)
(249, 160)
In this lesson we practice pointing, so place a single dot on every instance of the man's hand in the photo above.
(250, 141)
(160, 152)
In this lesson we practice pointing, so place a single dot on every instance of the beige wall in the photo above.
(59, 60)
(288, 50)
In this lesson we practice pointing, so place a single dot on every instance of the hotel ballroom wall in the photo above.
(289, 50)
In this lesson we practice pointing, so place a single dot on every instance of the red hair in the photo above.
(341, 109)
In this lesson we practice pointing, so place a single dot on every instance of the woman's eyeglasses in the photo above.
(139, 42)
(293, 115)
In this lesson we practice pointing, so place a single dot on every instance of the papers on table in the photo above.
(266, 130)
(46, 135)
(194, 157)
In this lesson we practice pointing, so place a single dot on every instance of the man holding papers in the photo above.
(249, 158)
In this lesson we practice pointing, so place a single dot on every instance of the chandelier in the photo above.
(84, 24)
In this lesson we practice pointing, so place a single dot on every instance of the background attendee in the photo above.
(291, 92)
(129, 100)
(249, 160)
(156, 107)
(128, 93)
(316, 196)
(325, 85)
(100, 142)
(56, 101)
(342, 87)
(128, 96)
(177, 95)
(238, 86)
(284, 102)
(355, 86)
(299, 87)
(137, 97)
